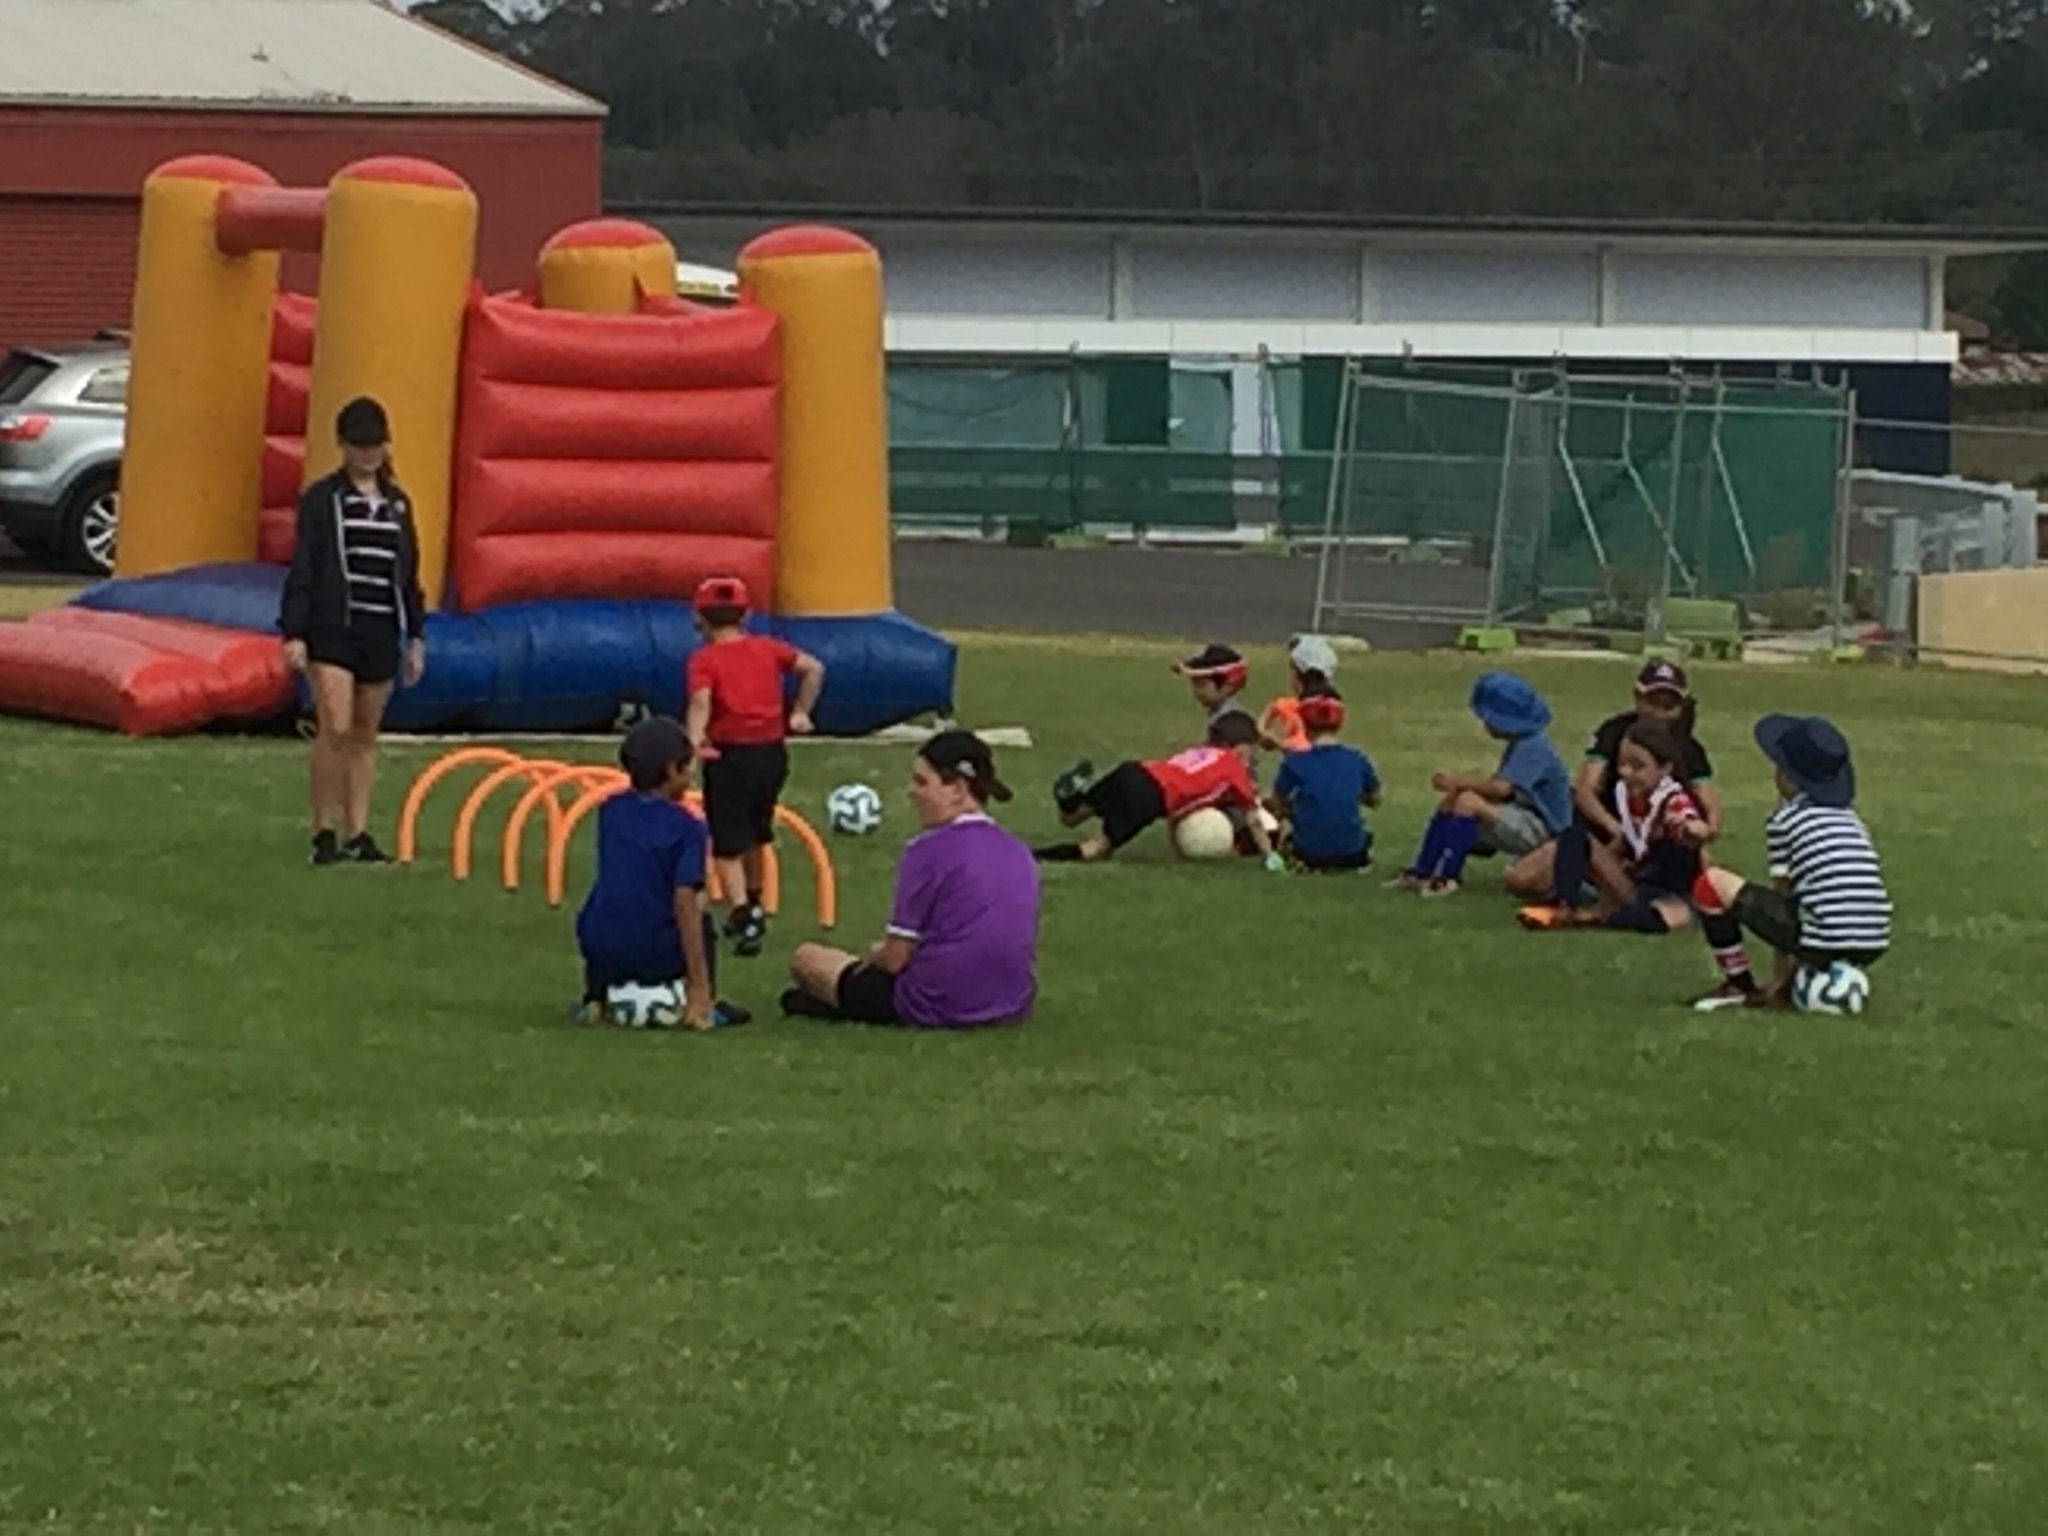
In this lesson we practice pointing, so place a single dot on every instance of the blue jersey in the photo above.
(1540, 779)
(648, 848)
(1323, 786)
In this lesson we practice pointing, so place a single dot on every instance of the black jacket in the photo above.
(316, 588)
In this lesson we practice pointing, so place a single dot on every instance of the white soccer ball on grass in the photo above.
(854, 809)
(1205, 834)
(632, 1005)
(1840, 988)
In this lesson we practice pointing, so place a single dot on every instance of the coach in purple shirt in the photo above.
(961, 947)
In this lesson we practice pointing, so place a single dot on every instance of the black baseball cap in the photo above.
(1662, 677)
(964, 755)
(652, 747)
(363, 424)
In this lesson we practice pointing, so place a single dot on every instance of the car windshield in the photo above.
(20, 375)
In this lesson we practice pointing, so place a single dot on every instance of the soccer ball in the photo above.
(1838, 988)
(1205, 834)
(854, 809)
(630, 1005)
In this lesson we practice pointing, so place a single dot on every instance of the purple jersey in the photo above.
(967, 897)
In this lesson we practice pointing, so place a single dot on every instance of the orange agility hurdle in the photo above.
(545, 780)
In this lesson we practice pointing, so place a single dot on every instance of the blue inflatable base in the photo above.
(576, 664)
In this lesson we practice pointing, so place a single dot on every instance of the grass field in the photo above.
(1302, 1206)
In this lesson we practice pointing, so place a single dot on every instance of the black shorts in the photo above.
(1334, 863)
(367, 648)
(742, 786)
(1773, 916)
(603, 972)
(866, 995)
(1126, 800)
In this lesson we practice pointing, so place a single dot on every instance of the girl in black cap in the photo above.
(351, 620)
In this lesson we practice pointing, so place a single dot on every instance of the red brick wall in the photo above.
(69, 179)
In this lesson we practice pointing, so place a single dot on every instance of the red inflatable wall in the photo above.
(622, 456)
(284, 426)
(144, 676)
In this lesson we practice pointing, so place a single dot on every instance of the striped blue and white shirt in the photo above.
(369, 552)
(1826, 855)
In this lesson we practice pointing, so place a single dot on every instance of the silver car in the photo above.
(61, 418)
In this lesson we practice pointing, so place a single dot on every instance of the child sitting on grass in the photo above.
(1133, 795)
(1516, 809)
(1216, 675)
(1827, 901)
(1311, 666)
(644, 922)
(1320, 789)
(1645, 876)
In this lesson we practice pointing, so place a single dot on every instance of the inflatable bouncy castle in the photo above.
(579, 454)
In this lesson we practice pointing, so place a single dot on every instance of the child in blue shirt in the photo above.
(645, 921)
(1320, 789)
(1516, 809)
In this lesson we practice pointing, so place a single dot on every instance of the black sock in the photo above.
(799, 1004)
(1059, 853)
(1574, 849)
(1724, 938)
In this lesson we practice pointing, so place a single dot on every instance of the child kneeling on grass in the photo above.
(1133, 795)
(1319, 792)
(1516, 809)
(1646, 875)
(645, 922)
(1827, 901)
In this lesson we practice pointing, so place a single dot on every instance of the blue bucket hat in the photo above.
(1507, 705)
(1812, 754)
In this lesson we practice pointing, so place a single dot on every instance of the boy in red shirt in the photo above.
(736, 724)
(1133, 795)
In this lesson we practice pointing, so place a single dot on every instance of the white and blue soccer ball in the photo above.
(633, 1005)
(1840, 988)
(854, 809)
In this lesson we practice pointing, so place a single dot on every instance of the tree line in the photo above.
(1933, 111)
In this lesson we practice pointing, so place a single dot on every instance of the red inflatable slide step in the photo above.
(139, 675)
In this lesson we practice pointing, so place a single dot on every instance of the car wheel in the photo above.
(92, 520)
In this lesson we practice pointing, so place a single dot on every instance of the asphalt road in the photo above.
(1179, 594)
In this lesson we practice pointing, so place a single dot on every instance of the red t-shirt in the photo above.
(1202, 776)
(745, 678)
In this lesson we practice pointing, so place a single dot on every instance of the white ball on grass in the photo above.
(1840, 988)
(1205, 834)
(630, 1005)
(854, 809)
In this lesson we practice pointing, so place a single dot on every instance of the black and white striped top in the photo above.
(1827, 856)
(369, 553)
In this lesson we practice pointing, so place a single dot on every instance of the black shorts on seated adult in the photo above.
(741, 788)
(367, 648)
(1126, 800)
(866, 995)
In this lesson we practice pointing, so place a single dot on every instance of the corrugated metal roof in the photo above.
(276, 55)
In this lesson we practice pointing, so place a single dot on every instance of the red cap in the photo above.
(1322, 712)
(722, 592)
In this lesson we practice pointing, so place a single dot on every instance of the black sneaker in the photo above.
(726, 1015)
(752, 934)
(326, 850)
(799, 1004)
(363, 849)
(1070, 786)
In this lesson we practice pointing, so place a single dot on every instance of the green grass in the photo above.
(1301, 1206)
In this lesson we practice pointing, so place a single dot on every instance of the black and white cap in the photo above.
(964, 755)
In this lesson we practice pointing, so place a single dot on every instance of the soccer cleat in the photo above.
(1546, 916)
(1407, 880)
(798, 1004)
(363, 849)
(752, 932)
(1442, 885)
(1070, 786)
(726, 1015)
(588, 1014)
(326, 849)
(1730, 994)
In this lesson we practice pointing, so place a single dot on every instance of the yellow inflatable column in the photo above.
(604, 266)
(832, 544)
(191, 468)
(395, 271)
